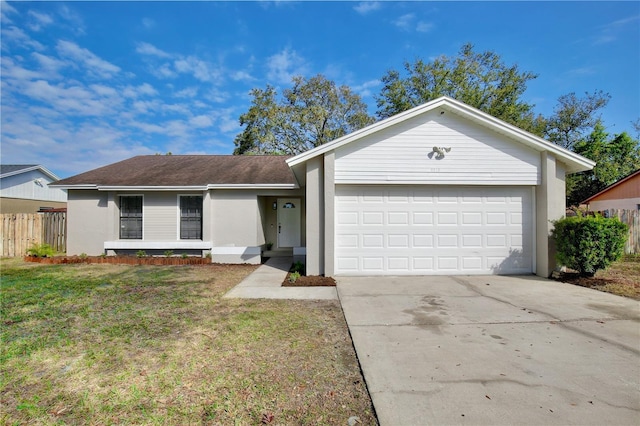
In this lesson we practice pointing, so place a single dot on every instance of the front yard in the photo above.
(621, 278)
(109, 344)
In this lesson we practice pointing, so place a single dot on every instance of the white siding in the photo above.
(400, 154)
(31, 185)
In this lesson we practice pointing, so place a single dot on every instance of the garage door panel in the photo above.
(420, 230)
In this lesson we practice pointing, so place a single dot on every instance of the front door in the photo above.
(289, 222)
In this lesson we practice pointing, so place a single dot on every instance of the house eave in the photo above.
(146, 188)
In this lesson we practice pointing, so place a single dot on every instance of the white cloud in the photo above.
(365, 7)
(200, 69)
(364, 89)
(405, 22)
(14, 35)
(102, 90)
(74, 100)
(5, 10)
(189, 92)
(148, 23)
(50, 64)
(151, 50)
(91, 62)
(284, 65)
(229, 125)
(201, 121)
(39, 20)
(164, 71)
(216, 95)
(242, 76)
(408, 22)
(74, 21)
(424, 27)
(134, 92)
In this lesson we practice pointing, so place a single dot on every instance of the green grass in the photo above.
(106, 344)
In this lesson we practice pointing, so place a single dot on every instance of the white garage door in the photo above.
(428, 230)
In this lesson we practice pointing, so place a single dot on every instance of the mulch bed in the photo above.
(310, 281)
(119, 260)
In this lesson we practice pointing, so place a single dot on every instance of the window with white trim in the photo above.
(131, 217)
(191, 217)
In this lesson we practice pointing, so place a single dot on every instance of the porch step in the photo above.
(285, 252)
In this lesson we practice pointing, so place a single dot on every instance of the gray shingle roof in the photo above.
(188, 170)
(11, 168)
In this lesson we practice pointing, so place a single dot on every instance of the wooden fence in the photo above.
(632, 219)
(20, 231)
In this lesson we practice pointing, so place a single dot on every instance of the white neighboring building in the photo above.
(24, 188)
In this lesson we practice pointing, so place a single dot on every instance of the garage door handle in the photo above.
(279, 228)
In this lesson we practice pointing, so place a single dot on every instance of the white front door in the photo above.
(289, 222)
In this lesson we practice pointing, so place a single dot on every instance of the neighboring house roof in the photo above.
(616, 185)
(187, 171)
(574, 162)
(7, 170)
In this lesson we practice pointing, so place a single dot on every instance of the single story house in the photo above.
(622, 195)
(440, 189)
(24, 188)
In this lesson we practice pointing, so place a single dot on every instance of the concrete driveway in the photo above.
(494, 350)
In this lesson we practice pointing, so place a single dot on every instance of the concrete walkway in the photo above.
(266, 283)
(494, 350)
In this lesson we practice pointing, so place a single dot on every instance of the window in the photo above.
(131, 217)
(191, 217)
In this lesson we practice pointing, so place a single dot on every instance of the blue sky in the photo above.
(85, 84)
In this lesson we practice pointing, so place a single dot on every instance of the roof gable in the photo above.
(573, 161)
(187, 171)
(7, 170)
(627, 187)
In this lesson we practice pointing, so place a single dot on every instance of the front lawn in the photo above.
(110, 344)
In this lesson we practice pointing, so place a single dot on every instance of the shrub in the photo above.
(293, 277)
(41, 250)
(184, 255)
(589, 243)
(168, 253)
(141, 253)
(298, 267)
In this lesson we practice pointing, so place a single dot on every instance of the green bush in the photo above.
(293, 277)
(589, 243)
(168, 253)
(41, 250)
(298, 267)
(141, 253)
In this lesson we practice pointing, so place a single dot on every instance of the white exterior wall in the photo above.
(31, 186)
(87, 218)
(400, 154)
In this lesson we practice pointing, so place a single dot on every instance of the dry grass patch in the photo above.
(112, 344)
(621, 278)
